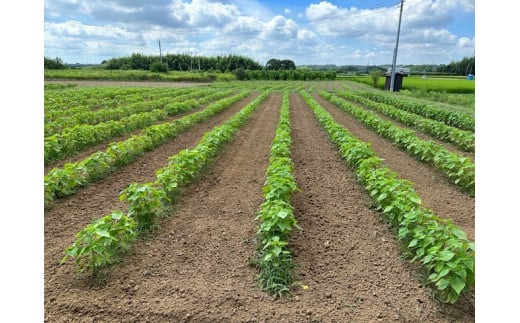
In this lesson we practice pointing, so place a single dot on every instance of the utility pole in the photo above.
(392, 77)
(160, 53)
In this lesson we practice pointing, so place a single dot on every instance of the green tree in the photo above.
(53, 64)
(374, 75)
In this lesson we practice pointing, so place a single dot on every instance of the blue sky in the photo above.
(308, 32)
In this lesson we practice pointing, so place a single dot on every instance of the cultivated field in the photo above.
(257, 201)
(430, 83)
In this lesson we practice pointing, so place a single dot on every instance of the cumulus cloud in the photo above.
(322, 29)
(331, 20)
(423, 26)
(279, 28)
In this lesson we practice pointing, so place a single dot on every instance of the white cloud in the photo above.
(423, 29)
(306, 34)
(466, 42)
(280, 28)
(247, 27)
(331, 20)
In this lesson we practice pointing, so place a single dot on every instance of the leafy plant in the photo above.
(459, 170)
(101, 244)
(63, 182)
(451, 118)
(374, 76)
(145, 204)
(276, 212)
(148, 201)
(446, 255)
(464, 140)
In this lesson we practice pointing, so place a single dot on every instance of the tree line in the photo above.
(53, 63)
(463, 67)
(182, 62)
(283, 75)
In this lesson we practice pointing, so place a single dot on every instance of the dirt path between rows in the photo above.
(67, 216)
(196, 266)
(437, 193)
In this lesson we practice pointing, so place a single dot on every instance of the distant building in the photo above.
(399, 70)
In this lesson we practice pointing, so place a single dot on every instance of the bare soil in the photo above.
(194, 268)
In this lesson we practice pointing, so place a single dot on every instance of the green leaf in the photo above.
(117, 215)
(268, 256)
(103, 233)
(442, 284)
(445, 255)
(388, 209)
(457, 284)
(460, 234)
(415, 199)
(282, 214)
(382, 197)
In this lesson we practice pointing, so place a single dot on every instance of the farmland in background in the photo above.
(431, 83)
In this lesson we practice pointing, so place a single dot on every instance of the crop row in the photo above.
(75, 139)
(464, 140)
(459, 170)
(446, 255)
(60, 102)
(103, 242)
(276, 213)
(100, 105)
(104, 115)
(451, 118)
(65, 181)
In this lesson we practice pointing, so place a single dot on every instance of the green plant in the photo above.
(446, 255)
(276, 213)
(148, 201)
(159, 67)
(459, 170)
(145, 204)
(464, 140)
(101, 244)
(62, 182)
(451, 118)
(374, 76)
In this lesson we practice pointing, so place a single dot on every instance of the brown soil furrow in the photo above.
(437, 193)
(345, 254)
(99, 147)
(421, 135)
(67, 216)
(196, 265)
